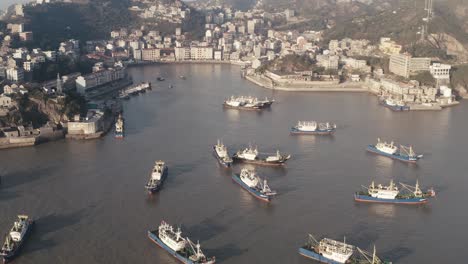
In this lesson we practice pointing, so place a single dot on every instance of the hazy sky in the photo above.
(6, 3)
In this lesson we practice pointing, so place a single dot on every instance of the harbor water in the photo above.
(90, 204)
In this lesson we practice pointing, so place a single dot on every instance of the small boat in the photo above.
(336, 252)
(171, 86)
(181, 248)
(158, 175)
(251, 155)
(394, 105)
(313, 128)
(249, 180)
(160, 79)
(402, 153)
(119, 127)
(15, 239)
(221, 154)
(123, 95)
(391, 194)
(182, 77)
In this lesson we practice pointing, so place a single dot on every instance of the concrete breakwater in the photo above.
(313, 86)
(17, 142)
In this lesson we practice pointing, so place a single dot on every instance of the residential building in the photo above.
(440, 71)
(182, 53)
(328, 61)
(26, 36)
(201, 53)
(5, 101)
(99, 78)
(150, 54)
(389, 46)
(15, 74)
(405, 65)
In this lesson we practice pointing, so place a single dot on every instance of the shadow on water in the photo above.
(208, 228)
(226, 252)
(22, 177)
(48, 224)
(152, 199)
(6, 195)
(284, 190)
(362, 236)
(397, 254)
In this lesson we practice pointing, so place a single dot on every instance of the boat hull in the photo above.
(370, 199)
(119, 135)
(152, 235)
(373, 149)
(17, 250)
(396, 108)
(296, 131)
(220, 160)
(260, 161)
(254, 108)
(159, 185)
(313, 255)
(255, 193)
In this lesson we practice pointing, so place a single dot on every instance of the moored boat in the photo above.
(394, 105)
(16, 237)
(221, 154)
(246, 103)
(392, 194)
(181, 248)
(158, 175)
(336, 252)
(249, 180)
(119, 127)
(402, 153)
(313, 128)
(251, 155)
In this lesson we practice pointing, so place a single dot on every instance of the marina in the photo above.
(232, 224)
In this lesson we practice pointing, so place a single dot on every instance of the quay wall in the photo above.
(17, 142)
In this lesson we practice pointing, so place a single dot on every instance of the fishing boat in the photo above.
(251, 155)
(402, 153)
(391, 194)
(245, 102)
(160, 79)
(249, 180)
(336, 252)
(181, 248)
(158, 175)
(313, 128)
(221, 154)
(119, 127)
(16, 237)
(394, 105)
